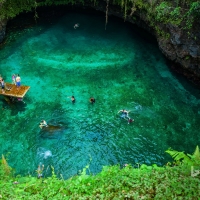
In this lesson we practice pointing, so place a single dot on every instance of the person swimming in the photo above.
(72, 99)
(92, 100)
(130, 120)
(76, 26)
(43, 123)
(124, 113)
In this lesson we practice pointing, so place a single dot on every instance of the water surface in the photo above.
(122, 68)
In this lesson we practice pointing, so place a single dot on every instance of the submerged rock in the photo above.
(52, 131)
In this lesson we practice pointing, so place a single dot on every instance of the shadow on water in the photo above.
(190, 84)
(14, 105)
(53, 131)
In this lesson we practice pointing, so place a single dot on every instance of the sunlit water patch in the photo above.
(122, 69)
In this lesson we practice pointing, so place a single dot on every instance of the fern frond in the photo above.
(196, 153)
(179, 156)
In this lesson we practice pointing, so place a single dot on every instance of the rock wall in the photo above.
(183, 48)
(3, 24)
(2, 30)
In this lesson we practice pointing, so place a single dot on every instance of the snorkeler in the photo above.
(124, 113)
(76, 26)
(43, 123)
(92, 100)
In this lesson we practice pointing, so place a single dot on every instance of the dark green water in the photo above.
(122, 68)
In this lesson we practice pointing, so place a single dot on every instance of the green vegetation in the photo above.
(173, 181)
(180, 13)
(186, 159)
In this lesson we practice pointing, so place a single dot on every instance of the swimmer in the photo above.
(72, 99)
(124, 113)
(43, 123)
(130, 120)
(76, 26)
(92, 100)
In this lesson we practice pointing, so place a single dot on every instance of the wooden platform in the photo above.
(13, 91)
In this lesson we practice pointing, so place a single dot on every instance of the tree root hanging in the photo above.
(133, 9)
(36, 15)
(106, 13)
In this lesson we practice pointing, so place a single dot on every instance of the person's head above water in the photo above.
(92, 99)
(76, 25)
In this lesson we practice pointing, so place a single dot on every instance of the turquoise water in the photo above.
(122, 68)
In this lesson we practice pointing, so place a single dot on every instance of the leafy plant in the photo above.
(113, 182)
(192, 14)
(6, 170)
(181, 157)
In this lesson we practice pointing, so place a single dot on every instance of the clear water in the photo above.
(122, 68)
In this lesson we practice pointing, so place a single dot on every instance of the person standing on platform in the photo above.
(2, 86)
(14, 79)
(18, 81)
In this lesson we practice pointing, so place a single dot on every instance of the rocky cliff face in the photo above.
(2, 29)
(2, 26)
(182, 47)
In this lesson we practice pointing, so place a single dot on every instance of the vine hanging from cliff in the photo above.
(125, 9)
(133, 9)
(107, 4)
(36, 15)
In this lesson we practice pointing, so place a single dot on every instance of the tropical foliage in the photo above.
(188, 159)
(113, 182)
(165, 11)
